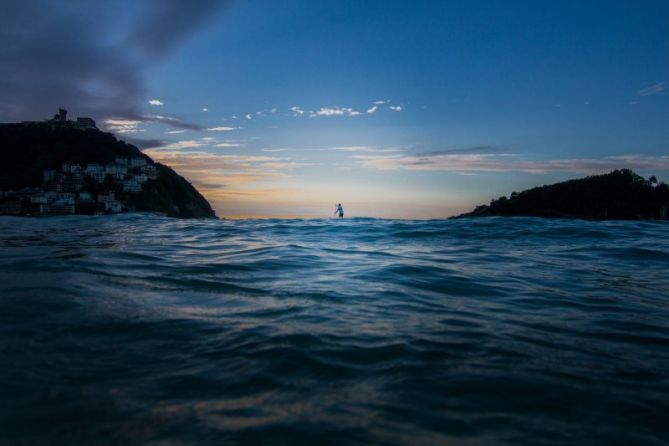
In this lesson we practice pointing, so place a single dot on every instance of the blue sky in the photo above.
(396, 109)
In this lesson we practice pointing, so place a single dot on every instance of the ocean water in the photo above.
(138, 329)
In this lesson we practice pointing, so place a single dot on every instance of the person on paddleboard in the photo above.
(339, 210)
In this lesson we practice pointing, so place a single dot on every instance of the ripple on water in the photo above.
(138, 329)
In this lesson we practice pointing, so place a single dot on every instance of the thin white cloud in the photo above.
(180, 145)
(122, 125)
(229, 144)
(286, 165)
(205, 109)
(222, 129)
(654, 89)
(379, 102)
(367, 149)
(372, 109)
(171, 121)
(337, 111)
(507, 163)
(249, 116)
(174, 132)
(156, 102)
(297, 111)
(396, 108)
(272, 149)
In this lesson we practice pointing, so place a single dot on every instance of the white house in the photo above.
(137, 162)
(95, 168)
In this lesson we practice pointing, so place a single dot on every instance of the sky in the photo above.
(420, 109)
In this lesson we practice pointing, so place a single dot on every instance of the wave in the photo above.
(137, 329)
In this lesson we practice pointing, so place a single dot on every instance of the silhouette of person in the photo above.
(339, 210)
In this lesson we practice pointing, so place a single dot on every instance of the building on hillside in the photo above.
(85, 197)
(85, 124)
(60, 117)
(132, 186)
(137, 162)
(93, 168)
(106, 196)
(150, 171)
(113, 169)
(69, 167)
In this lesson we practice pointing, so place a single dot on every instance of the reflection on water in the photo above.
(138, 329)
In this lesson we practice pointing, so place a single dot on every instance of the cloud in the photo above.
(379, 102)
(164, 24)
(368, 149)
(372, 110)
(336, 111)
(174, 132)
(287, 165)
(205, 109)
(52, 55)
(654, 89)
(170, 121)
(248, 116)
(155, 102)
(168, 146)
(481, 150)
(297, 111)
(479, 162)
(396, 108)
(224, 170)
(229, 144)
(271, 149)
(122, 126)
(222, 129)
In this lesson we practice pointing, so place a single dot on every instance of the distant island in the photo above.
(619, 195)
(64, 167)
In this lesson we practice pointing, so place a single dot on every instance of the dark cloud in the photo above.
(168, 22)
(171, 121)
(89, 57)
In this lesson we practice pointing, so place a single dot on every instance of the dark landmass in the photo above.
(65, 167)
(619, 195)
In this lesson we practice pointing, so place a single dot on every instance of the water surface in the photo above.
(138, 329)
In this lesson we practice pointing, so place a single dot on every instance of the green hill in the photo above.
(27, 150)
(619, 195)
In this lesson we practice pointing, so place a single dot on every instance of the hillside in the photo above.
(29, 152)
(619, 195)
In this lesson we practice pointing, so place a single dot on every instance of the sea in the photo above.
(139, 329)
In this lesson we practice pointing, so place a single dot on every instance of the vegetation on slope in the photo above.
(619, 195)
(27, 150)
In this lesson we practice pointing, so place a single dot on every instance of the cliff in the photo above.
(619, 195)
(33, 156)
